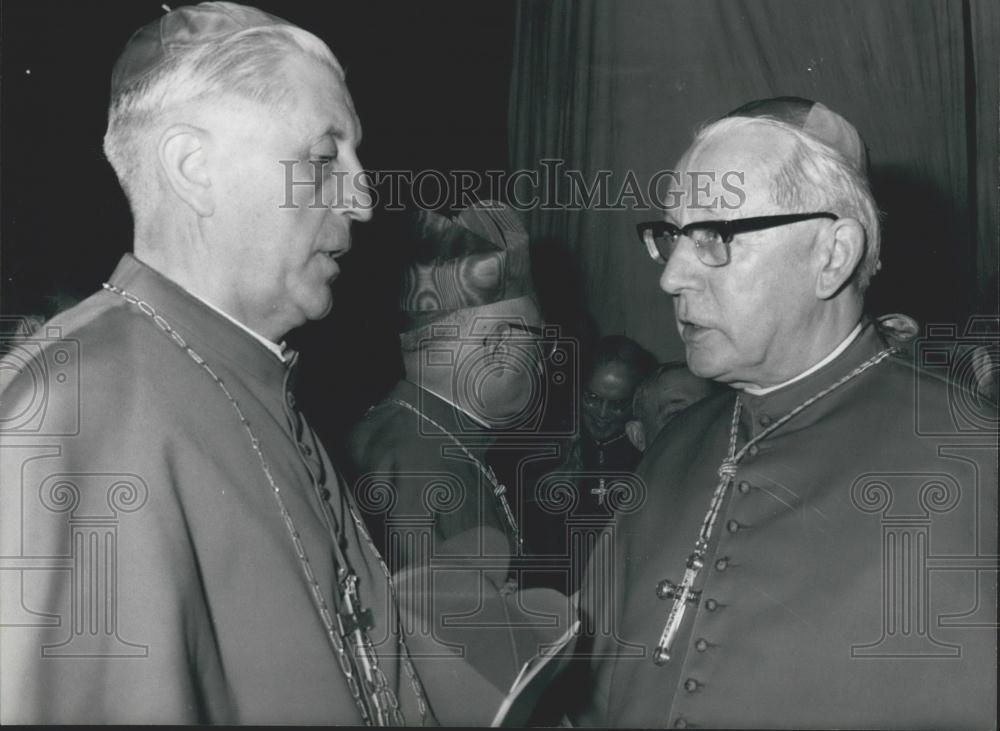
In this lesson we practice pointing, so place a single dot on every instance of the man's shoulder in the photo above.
(383, 421)
(102, 327)
(940, 364)
(384, 432)
(99, 348)
(907, 374)
(937, 402)
(392, 436)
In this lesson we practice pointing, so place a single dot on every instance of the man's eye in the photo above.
(706, 235)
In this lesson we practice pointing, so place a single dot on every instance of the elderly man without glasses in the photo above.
(177, 545)
(820, 551)
(664, 394)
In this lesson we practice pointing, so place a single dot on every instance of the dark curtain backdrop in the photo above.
(621, 86)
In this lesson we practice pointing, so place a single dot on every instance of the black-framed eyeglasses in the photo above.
(712, 238)
(546, 340)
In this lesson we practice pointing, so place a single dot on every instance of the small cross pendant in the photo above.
(600, 491)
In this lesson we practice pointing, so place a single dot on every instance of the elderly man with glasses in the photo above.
(822, 552)
(474, 346)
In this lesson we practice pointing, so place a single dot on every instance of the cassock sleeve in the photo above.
(89, 505)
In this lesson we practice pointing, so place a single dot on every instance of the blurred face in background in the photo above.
(659, 403)
(607, 400)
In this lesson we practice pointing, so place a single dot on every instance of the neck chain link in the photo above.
(499, 489)
(366, 681)
(684, 593)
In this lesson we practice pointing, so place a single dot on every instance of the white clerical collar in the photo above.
(277, 348)
(828, 359)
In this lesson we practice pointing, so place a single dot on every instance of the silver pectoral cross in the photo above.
(600, 491)
(682, 596)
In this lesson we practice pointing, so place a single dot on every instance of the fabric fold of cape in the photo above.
(210, 618)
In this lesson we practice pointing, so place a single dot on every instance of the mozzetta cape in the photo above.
(211, 618)
(430, 476)
(851, 576)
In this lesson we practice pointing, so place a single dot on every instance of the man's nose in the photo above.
(605, 407)
(360, 197)
(682, 268)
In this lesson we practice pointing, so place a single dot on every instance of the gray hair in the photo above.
(812, 176)
(247, 64)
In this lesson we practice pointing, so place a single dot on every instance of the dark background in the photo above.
(430, 82)
(621, 86)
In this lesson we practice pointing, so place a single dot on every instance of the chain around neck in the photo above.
(376, 701)
(499, 489)
(684, 593)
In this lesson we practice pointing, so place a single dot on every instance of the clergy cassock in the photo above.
(850, 576)
(414, 481)
(449, 546)
(600, 462)
(566, 491)
(423, 483)
(173, 533)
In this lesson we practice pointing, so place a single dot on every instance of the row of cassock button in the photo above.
(701, 644)
(314, 466)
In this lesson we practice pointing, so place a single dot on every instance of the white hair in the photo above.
(248, 64)
(812, 176)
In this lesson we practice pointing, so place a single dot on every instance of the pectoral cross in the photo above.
(682, 596)
(600, 491)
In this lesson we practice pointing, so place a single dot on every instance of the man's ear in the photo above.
(183, 161)
(840, 248)
(636, 434)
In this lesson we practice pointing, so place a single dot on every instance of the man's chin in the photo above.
(598, 435)
(701, 361)
(319, 306)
